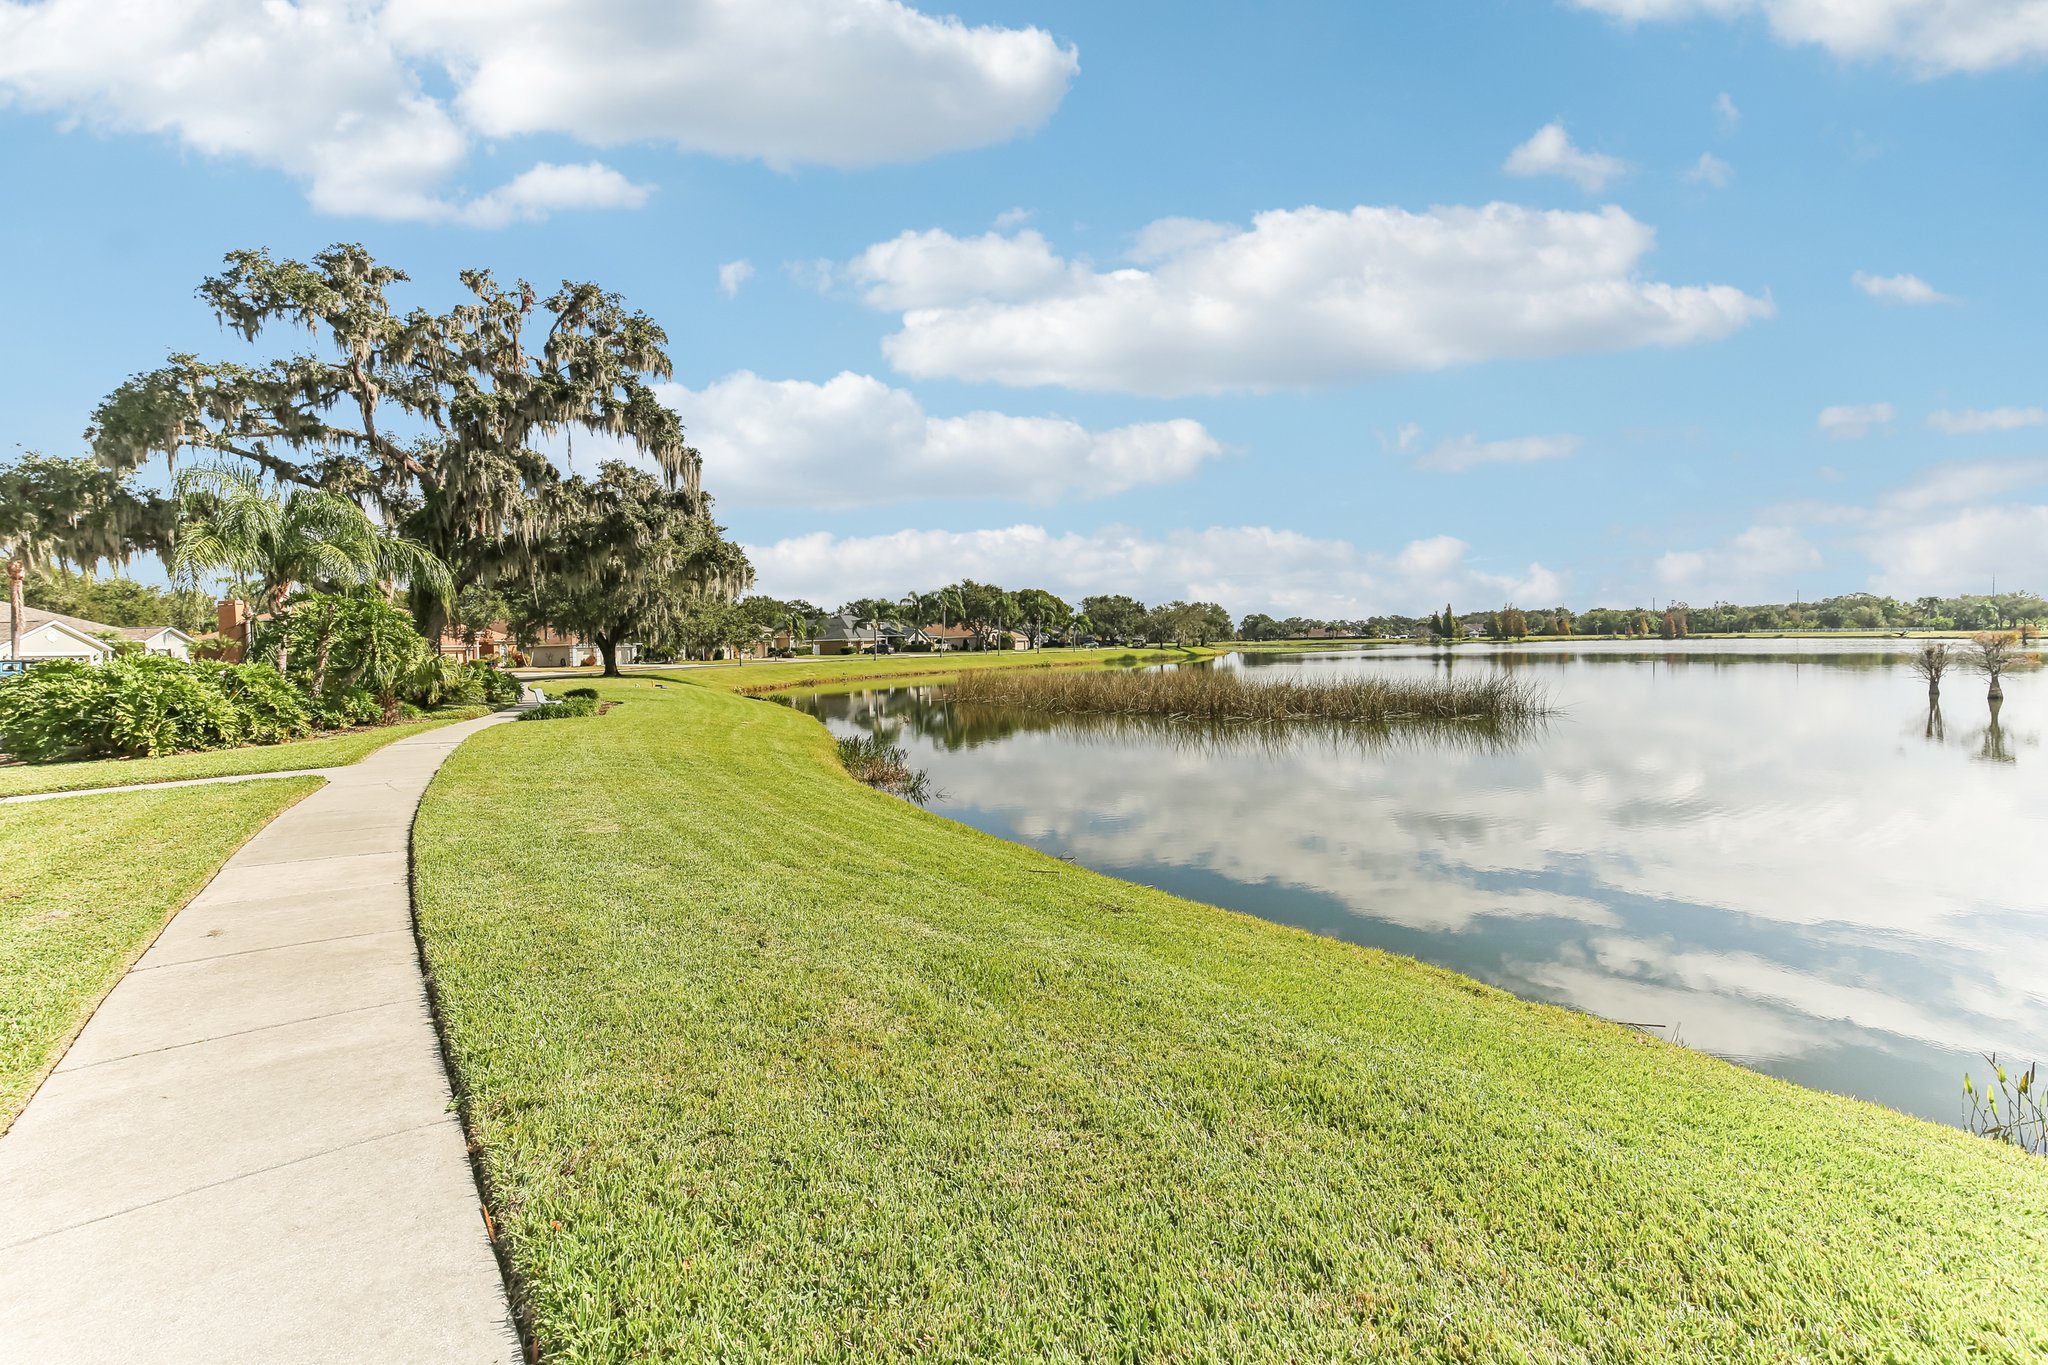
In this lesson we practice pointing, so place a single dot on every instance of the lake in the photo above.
(1770, 850)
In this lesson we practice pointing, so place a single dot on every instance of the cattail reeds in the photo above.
(1224, 696)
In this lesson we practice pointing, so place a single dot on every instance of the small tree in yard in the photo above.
(55, 511)
(627, 558)
(1992, 652)
(1931, 662)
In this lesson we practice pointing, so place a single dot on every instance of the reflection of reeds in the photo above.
(1226, 697)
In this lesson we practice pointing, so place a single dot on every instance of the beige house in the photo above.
(53, 635)
(552, 649)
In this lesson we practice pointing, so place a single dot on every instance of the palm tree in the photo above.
(871, 618)
(232, 520)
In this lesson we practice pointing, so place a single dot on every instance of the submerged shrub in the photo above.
(2010, 1108)
(883, 766)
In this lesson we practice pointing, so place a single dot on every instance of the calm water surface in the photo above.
(1781, 857)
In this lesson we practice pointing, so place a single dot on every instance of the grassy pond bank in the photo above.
(762, 1064)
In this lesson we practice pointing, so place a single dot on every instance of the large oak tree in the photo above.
(626, 558)
(435, 418)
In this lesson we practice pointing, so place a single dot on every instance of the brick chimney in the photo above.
(231, 619)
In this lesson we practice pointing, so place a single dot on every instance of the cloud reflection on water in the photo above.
(1779, 856)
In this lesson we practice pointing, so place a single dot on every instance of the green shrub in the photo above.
(499, 687)
(436, 681)
(142, 706)
(272, 708)
(563, 710)
(340, 647)
(576, 692)
(343, 708)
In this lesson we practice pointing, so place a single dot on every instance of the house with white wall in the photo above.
(53, 635)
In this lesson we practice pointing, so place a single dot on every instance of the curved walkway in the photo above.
(251, 1151)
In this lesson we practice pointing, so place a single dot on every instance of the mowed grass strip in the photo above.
(764, 1065)
(331, 751)
(85, 884)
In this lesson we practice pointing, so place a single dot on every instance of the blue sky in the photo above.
(1316, 308)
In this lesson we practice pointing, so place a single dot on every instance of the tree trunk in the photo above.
(277, 596)
(1997, 691)
(17, 569)
(431, 616)
(609, 648)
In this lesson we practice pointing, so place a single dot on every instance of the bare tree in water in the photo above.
(1930, 663)
(1991, 653)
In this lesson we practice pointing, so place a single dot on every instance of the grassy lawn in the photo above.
(765, 1065)
(333, 751)
(776, 675)
(85, 884)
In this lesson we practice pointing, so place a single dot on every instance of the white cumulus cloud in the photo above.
(1963, 551)
(1908, 289)
(1851, 421)
(732, 275)
(1303, 298)
(828, 82)
(1933, 37)
(546, 188)
(1246, 568)
(855, 441)
(1460, 453)
(1746, 567)
(1710, 170)
(1975, 421)
(1551, 151)
(1947, 529)
(926, 269)
(375, 105)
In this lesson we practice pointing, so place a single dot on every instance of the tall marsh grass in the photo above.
(1227, 697)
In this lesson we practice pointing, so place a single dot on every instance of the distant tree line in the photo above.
(986, 614)
(2023, 612)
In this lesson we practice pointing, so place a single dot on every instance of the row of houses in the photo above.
(50, 635)
(846, 634)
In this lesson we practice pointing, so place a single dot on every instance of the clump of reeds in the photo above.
(883, 766)
(1227, 697)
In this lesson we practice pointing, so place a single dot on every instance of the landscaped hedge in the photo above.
(350, 661)
(567, 709)
(142, 706)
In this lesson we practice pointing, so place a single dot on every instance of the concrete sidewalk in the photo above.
(250, 1154)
